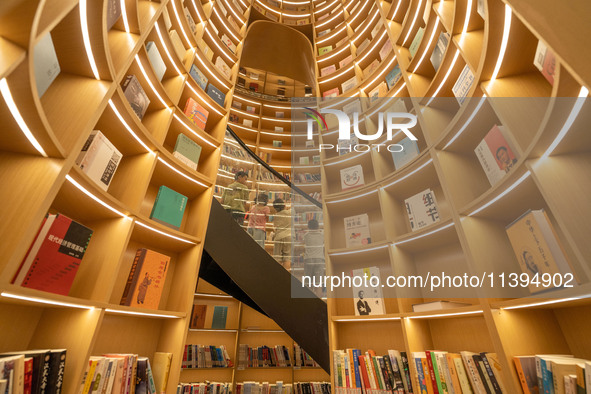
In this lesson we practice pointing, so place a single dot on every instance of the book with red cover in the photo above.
(146, 279)
(196, 113)
(364, 377)
(198, 316)
(432, 372)
(61, 245)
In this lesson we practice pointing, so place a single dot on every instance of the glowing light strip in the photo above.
(505, 192)
(295, 15)
(583, 93)
(137, 59)
(428, 45)
(212, 295)
(109, 310)
(325, 8)
(386, 102)
(267, 7)
(370, 51)
(236, 15)
(164, 233)
(226, 26)
(386, 68)
(212, 330)
(468, 121)
(205, 101)
(396, 10)
(245, 113)
(276, 134)
(334, 34)
(466, 21)
(449, 70)
(277, 106)
(45, 301)
(359, 250)
(344, 71)
(350, 22)
(244, 127)
(213, 73)
(248, 101)
(192, 131)
(413, 22)
(423, 235)
(236, 159)
(129, 130)
(95, 198)
(261, 330)
(445, 315)
(544, 303)
(280, 120)
(337, 14)
(334, 53)
(124, 15)
(5, 90)
(86, 39)
(201, 20)
(215, 41)
(505, 40)
(366, 27)
(167, 52)
(178, 19)
(181, 174)
(277, 149)
(368, 319)
(409, 174)
(352, 198)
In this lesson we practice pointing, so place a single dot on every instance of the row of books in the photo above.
(204, 388)
(305, 160)
(283, 388)
(264, 175)
(126, 374)
(306, 177)
(32, 371)
(206, 356)
(235, 151)
(214, 317)
(553, 373)
(305, 217)
(233, 169)
(301, 358)
(263, 356)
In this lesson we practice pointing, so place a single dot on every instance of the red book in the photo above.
(363, 370)
(28, 375)
(196, 113)
(432, 372)
(56, 262)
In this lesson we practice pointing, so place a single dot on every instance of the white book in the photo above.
(369, 299)
(409, 150)
(223, 67)
(357, 230)
(229, 43)
(495, 154)
(47, 66)
(156, 60)
(352, 177)
(349, 84)
(422, 209)
(190, 21)
(463, 84)
(99, 159)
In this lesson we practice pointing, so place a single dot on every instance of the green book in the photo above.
(220, 313)
(187, 151)
(416, 42)
(169, 207)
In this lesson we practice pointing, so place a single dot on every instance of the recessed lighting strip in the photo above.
(164, 233)
(192, 131)
(503, 194)
(146, 314)
(414, 20)
(445, 315)
(504, 42)
(86, 39)
(466, 21)
(468, 121)
(147, 78)
(409, 174)
(129, 130)
(44, 301)
(167, 52)
(180, 173)
(423, 235)
(558, 301)
(124, 15)
(442, 83)
(352, 198)
(359, 250)
(368, 319)
(95, 198)
(428, 45)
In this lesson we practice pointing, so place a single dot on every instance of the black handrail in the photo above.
(272, 170)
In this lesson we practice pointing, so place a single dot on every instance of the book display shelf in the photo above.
(244, 326)
(292, 13)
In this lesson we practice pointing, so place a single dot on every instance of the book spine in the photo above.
(151, 383)
(433, 373)
(491, 375)
(56, 377)
(406, 371)
(133, 277)
(421, 375)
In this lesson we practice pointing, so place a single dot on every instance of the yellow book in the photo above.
(89, 375)
(161, 370)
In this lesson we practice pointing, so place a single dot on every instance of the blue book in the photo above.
(356, 354)
(410, 150)
(393, 76)
(220, 313)
(198, 77)
(216, 95)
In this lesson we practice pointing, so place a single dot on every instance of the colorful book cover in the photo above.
(357, 230)
(99, 159)
(463, 84)
(60, 249)
(416, 42)
(187, 151)
(169, 207)
(220, 314)
(229, 43)
(46, 64)
(155, 60)
(327, 70)
(352, 177)
(223, 67)
(198, 76)
(346, 61)
(147, 279)
(349, 84)
(324, 50)
(216, 95)
(385, 50)
(495, 155)
(437, 55)
(393, 77)
(198, 316)
(409, 151)
(196, 113)
(331, 93)
(379, 91)
(422, 209)
(367, 71)
(368, 300)
(136, 96)
(250, 109)
(363, 46)
(545, 61)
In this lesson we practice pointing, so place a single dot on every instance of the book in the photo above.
(247, 122)
(367, 71)
(410, 150)
(250, 109)
(379, 91)
(357, 230)
(12, 369)
(253, 86)
(46, 64)
(463, 84)
(99, 159)
(537, 248)
(327, 70)
(177, 44)
(155, 60)
(198, 316)
(368, 300)
(437, 55)
(253, 75)
(393, 76)
(345, 145)
(54, 256)
(437, 306)
(187, 151)
(361, 47)
(346, 61)
(220, 314)
(324, 50)
(145, 282)
(334, 92)
(526, 370)
(385, 50)
(495, 154)
(352, 177)
(39, 368)
(223, 67)
(169, 207)
(304, 160)
(161, 370)
(228, 42)
(136, 96)
(376, 29)
(279, 114)
(216, 95)
(422, 209)
(416, 41)
(349, 84)
(196, 113)
(278, 129)
(113, 13)
(198, 76)
(277, 143)
(190, 21)
(545, 61)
